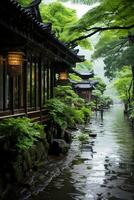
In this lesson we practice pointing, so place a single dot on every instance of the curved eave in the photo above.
(14, 12)
(83, 86)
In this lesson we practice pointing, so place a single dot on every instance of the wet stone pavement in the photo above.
(103, 168)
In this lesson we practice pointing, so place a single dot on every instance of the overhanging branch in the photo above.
(99, 29)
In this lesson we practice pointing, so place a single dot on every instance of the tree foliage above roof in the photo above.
(86, 65)
(24, 2)
(62, 19)
(116, 51)
(123, 82)
(112, 15)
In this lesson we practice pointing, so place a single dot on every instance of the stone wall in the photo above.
(16, 166)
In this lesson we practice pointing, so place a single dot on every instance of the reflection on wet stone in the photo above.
(103, 169)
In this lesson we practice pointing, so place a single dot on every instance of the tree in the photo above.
(86, 65)
(100, 86)
(116, 15)
(115, 51)
(115, 45)
(62, 19)
(123, 85)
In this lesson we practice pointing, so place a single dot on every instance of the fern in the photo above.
(21, 132)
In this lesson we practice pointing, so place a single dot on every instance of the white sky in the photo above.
(80, 8)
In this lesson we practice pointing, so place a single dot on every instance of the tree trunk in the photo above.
(129, 91)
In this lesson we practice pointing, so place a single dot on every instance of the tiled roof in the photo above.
(83, 86)
(12, 12)
(84, 73)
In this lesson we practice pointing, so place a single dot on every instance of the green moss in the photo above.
(83, 138)
(77, 162)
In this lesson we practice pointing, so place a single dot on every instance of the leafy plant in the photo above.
(76, 116)
(67, 109)
(62, 114)
(83, 138)
(57, 112)
(67, 95)
(123, 82)
(101, 101)
(86, 65)
(86, 112)
(81, 111)
(22, 133)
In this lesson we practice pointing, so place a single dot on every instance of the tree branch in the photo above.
(99, 29)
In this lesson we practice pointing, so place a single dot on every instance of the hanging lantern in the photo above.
(63, 76)
(15, 61)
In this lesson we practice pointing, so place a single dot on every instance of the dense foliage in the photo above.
(114, 20)
(100, 101)
(115, 45)
(100, 86)
(24, 2)
(68, 96)
(62, 19)
(67, 109)
(83, 138)
(123, 84)
(114, 14)
(86, 65)
(21, 132)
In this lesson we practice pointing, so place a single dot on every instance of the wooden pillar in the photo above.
(4, 86)
(11, 82)
(48, 82)
(30, 91)
(44, 79)
(25, 86)
(40, 86)
(52, 83)
(35, 86)
(54, 78)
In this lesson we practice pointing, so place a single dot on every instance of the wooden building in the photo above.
(30, 57)
(85, 86)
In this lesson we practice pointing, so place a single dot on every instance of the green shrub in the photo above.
(21, 132)
(67, 109)
(67, 95)
(83, 138)
(62, 114)
(76, 116)
(86, 112)
(57, 110)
